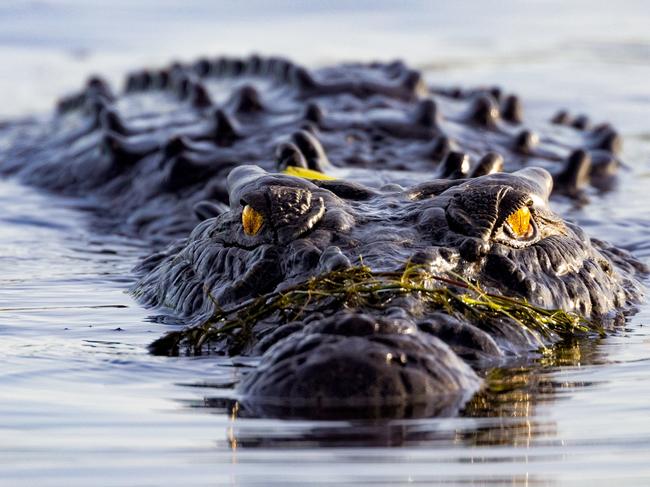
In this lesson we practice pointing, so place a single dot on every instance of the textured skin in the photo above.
(399, 353)
(417, 179)
(159, 153)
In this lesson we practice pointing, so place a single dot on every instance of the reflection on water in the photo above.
(518, 431)
(504, 413)
(83, 403)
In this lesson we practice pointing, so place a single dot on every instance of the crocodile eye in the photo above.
(519, 222)
(252, 220)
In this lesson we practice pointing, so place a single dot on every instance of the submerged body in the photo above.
(397, 177)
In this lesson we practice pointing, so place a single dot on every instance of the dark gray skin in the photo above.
(170, 152)
(397, 355)
(155, 156)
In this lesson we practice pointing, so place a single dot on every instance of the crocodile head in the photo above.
(280, 230)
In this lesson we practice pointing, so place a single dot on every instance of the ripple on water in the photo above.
(82, 400)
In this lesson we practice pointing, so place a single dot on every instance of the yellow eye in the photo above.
(251, 220)
(519, 221)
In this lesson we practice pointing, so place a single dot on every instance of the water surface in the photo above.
(83, 403)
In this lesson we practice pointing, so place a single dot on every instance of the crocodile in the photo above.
(282, 175)
(281, 230)
(154, 158)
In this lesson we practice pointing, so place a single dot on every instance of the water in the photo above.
(83, 403)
